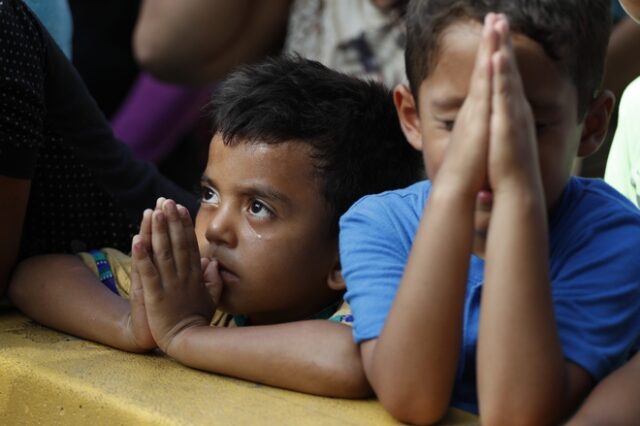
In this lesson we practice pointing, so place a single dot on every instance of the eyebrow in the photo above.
(257, 190)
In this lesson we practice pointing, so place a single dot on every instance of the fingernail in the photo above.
(182, 210)
(136, 243)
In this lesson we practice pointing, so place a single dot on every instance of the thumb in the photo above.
(212, 280)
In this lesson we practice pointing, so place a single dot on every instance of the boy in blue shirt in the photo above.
(295, 144)
(502, 285)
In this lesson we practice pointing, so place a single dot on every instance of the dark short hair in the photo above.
(574, 33)
(358, 147)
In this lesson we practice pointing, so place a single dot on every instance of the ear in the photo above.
(408, 115)
(596, 123)
(335, 281)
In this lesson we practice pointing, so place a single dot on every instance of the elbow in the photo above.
(354, 387)
(156, 58)
(344, 380)
(419, 408)
(17, 288)
(150, 56)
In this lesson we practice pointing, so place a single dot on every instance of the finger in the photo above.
(135, 278)
(480, 88)
(136, 296)
(204, 262)
(509, 62)
(147, 275)
(179, 246)
(190, 232)
(213, 282)
(162, 252)
(145, 229)
(502, 100)
(159, 202)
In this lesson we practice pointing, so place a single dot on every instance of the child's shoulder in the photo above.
(591, 209)
(396, 212)
(599, 198)
(412, 197)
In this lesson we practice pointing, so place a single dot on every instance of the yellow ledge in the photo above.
(48, 377)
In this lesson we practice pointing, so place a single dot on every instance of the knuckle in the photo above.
(163, 255)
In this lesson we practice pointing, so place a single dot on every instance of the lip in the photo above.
(226, 274)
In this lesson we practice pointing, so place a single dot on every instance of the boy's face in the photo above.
(263, 218)
(551, 94)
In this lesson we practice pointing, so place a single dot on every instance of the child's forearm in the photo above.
(614, 401)
(521, 370)
(412, 366)
(316, 357)
(60, 292)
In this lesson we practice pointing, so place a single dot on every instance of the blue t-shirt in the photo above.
(594, 270)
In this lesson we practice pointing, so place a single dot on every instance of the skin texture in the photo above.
(199, 41)
(614, 402)
(249, 253)
(483, 169)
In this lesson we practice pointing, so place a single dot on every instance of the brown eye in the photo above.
(209, 195)
(259, 209)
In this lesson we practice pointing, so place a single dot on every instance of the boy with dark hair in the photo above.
(503, 285)
(295, 144)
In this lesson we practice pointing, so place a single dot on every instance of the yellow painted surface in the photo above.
(48, 377)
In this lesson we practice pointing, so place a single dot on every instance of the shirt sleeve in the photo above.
(596, 292)
(374, 247)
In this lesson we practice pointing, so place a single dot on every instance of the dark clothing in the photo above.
(102, 49)
(86, 188)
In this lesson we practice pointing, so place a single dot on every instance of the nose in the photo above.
(221, 229)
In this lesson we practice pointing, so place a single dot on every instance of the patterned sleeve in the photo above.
(343, 315)
(22, 110)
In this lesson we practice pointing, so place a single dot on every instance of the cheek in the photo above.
(288, 259)
(432, 159)
(556, 162)
(200, 230)
(434, 149)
